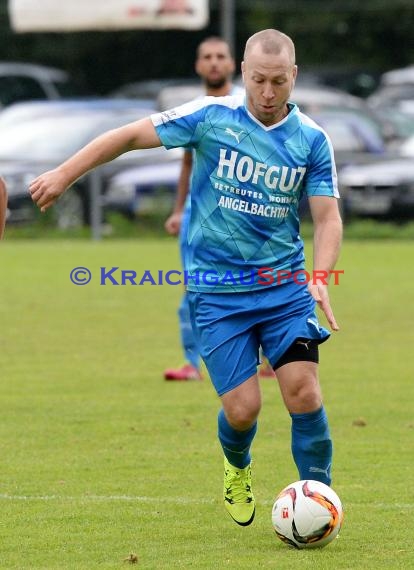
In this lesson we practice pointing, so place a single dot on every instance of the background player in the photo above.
(215, 66)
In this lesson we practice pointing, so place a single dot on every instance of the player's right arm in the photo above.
(3, 206)
(173, 222)
(47, 187)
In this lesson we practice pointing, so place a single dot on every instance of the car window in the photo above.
(18, 88)
(350, 130)
(66, 89)
(343, 137)
(389, 94)
(396, 123)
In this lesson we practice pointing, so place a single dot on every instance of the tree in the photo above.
(375, 35)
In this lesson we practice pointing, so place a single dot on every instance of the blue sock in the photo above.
(312, 445)
(188, 341)
(235, 444)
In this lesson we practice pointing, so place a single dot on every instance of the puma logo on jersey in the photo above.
(233, 134)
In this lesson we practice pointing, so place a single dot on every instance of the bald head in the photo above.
(269, 74)
(270, 42)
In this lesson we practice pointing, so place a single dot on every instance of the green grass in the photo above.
(101, 458)
(152, 226)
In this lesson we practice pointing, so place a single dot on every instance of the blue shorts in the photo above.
(230, 328)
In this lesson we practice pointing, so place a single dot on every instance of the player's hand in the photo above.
(46, 188)
(173, 223)
(321, 296)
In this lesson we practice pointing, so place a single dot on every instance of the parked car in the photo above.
(395, 91)
(355, 136)
(401, 76)
(28, 110)
(312, 99)
(29, 81)
(399, 97)
(397, 125)
(143, 190)
(30, 147)
(148, 88)
(407, 148)
(356, 81)
(384, 189)
(175, 95)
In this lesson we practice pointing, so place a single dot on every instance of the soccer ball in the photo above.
(307, 514)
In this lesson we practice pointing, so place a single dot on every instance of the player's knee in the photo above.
(305, 399)
(304, 396)
(242, 416)
(300, 387)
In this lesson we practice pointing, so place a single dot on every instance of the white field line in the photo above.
(106, 498)
(170, 500)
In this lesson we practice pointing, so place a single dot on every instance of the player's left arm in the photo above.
(327, 240)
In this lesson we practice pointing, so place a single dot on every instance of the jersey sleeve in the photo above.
(178, 127)
(321, 178)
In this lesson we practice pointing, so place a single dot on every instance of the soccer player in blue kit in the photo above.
(254, 157)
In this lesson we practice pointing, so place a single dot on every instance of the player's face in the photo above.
(269, 80)
(214, 64)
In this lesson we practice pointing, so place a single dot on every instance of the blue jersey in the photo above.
(247, 180)
(235, 90)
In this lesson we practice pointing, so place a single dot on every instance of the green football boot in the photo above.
(238, 496)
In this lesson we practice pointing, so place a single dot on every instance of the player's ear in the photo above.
(294, 75)
(242, 69)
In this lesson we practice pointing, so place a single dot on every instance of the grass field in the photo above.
(100, 458)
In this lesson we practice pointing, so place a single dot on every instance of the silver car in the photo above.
(383, 189)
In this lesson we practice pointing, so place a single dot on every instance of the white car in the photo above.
(143, 190)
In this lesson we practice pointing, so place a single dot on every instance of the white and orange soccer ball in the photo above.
(307, 514)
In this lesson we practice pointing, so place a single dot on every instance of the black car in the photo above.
(29, 81)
